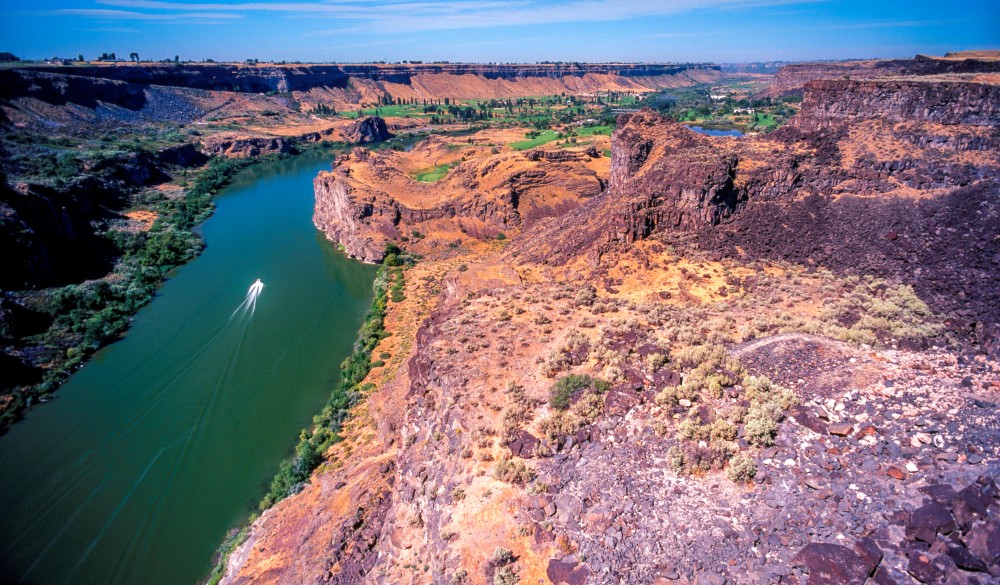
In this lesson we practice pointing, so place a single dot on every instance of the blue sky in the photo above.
(495, 30)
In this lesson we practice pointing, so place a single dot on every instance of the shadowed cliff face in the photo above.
(52, 237)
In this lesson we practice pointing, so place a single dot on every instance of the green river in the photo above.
(169, 437)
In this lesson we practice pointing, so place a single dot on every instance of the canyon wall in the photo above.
(884, 177)
(831, 102)
(289, 78)
(791, 79)
(367, 201)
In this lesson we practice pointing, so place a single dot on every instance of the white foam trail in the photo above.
(250, 302)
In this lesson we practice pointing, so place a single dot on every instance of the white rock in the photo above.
(911, 467)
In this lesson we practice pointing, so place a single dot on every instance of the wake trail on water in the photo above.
(92, 459)
(249, 304)
(190, 440)
(118, 509)
(69, 521)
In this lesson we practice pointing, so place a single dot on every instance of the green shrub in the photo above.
(513, 471)
(560, 424)
(589, 407)
(505, 576)
(502, 556)
(675, 456)
(760, 431)
(692, 430)
(564, 388)
(741, 468)
(722, 430)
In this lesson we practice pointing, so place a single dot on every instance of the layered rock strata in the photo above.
(366, 201)
(288, 78)
(791, 79)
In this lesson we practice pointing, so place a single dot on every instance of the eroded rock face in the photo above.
(360, 220)
(830, 103)
(792, 79)
(368, 130)
(366, 201)
(234, 146)
(685, 183)
(890, 178)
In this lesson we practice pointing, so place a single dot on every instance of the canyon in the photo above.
(650, 357)
(587, 400)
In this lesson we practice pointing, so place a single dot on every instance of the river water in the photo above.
(168, 438)
(716, 131)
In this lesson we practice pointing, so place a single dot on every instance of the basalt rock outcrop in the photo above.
(366, 201)
(54, 236)
(183, 155)
(56, 98)
(791, 79)
(895, 178)
(831, 103)
(239, 146)
(367, 130)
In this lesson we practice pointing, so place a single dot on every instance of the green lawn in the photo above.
(400, 111)
(434, 174)
(766, 121)
(545, 136)
(594, 131)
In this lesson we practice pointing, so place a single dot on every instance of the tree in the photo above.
(177, 59)
(80, 57)
(133, 57)
(7, 57)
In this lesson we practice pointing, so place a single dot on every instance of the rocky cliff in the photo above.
(54, 235)
(872, 176)
(791, 79)
(370, 198)
(368, 130)
(839, 102)
(242, 146)
(289, 78)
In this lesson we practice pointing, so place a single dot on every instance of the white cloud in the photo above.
(446, 15)
(105, 14)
